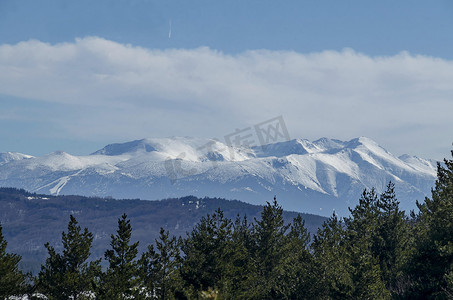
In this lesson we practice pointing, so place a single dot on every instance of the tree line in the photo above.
(377, 252)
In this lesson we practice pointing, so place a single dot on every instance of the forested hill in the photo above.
(30, 220)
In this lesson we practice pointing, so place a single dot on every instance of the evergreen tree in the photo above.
(268, 252)
(431, 266)
(148, 269)
(236, 261)
(364, 216)
(362, 228)
(344, 257)
(120, 279)
(160, 270)
(69, 275)
(203, 250)
(390, 242)
(366, 275)
(12, 280)
(331, 261)
(298, 278)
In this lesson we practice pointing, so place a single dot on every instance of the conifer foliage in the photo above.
(431, 269)
(70, 274)
(159, 270)
(12, 280)
(120, 279)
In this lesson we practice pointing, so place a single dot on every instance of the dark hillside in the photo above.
(30, 220)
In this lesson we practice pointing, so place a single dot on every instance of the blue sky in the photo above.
(80, 74)
(371, 27)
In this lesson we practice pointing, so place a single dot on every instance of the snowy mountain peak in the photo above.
(129, 147)
(306, 176)
(12, 156)
(362, 142)
(281, 149)
(186, 148)
(327, 144)
(59, 153)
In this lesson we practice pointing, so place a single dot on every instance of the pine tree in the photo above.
(268, 252)
(203, 250)
(361, 230)
(431, 266)
(390, 241)
(363, 219)
(160, 270)
(148, 269)
(120, 279)
(236, 261)
(69, 275)
(345, 262)
(331, 261)
(298, 279)
(12, 280)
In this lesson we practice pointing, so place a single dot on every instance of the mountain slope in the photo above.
(31, 220)
(12, 156)
(314, 177)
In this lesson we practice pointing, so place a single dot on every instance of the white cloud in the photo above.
(120, 91)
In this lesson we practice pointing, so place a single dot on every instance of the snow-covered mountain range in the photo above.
(314, 177)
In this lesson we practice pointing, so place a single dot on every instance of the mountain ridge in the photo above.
(315, 177)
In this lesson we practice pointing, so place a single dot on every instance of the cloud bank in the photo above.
(99, 89)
